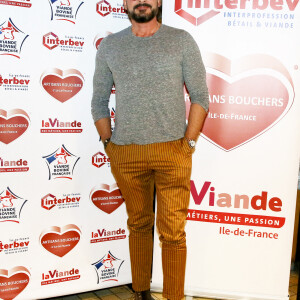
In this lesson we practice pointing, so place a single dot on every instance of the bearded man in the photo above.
(151, 145)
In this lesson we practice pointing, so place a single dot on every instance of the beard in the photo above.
(142, 17)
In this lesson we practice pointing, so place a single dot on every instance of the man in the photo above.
(151, 146)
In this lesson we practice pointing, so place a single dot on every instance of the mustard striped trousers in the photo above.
(137, 168)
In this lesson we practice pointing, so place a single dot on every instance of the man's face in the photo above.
(142, 11)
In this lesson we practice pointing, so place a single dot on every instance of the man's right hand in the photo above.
(104, 129)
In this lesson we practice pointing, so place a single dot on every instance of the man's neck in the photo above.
(145, 29)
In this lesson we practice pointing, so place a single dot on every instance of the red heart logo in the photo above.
(13, 282)
(243, 108)
(250, 106)
(98, 42)
(60, 241)
(62, 85)
(99, 37)
(13, 124)
(107, 198)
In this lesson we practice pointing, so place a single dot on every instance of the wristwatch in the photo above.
(105, 143)
(192, 143)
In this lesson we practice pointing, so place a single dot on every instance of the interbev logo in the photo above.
(100, 159)
(69, 43)
(198, 12)
(14, 82)
(104, 9)
(50, 201)
(14, 245)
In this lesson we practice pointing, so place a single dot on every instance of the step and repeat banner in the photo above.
(244, 179)
(62, 218)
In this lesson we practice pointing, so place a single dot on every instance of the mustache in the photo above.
(142, 4)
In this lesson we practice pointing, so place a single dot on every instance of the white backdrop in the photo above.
(63, 220)
(244, 179)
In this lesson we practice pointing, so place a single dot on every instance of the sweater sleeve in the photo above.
(194, 73)
(102, 85)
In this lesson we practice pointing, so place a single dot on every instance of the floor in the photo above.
(124, 292)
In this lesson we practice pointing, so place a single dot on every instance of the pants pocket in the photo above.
(108, 148)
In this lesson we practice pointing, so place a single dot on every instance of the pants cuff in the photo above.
(172, 297)
(140, 289)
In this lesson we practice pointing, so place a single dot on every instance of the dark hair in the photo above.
(159, 15)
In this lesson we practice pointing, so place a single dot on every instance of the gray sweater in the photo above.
(149, 74)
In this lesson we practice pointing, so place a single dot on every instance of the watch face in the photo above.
(192, 143)
(106, 143)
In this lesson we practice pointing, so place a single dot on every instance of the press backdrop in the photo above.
(63, 220)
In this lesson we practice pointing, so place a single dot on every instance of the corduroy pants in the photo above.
(137, 168)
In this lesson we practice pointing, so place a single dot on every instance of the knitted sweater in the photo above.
(149, 74)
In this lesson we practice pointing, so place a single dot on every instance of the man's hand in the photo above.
(104, 128)
(196, 120)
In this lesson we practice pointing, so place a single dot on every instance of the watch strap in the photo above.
(105, 143)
